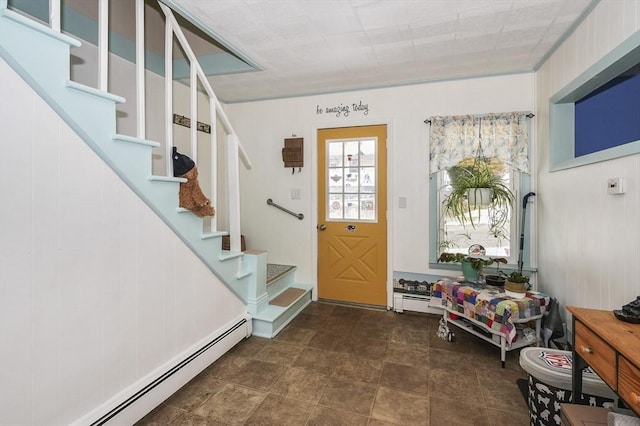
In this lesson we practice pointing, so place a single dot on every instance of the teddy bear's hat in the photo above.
(181, 163)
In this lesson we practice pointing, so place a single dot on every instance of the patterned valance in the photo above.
(454, 138)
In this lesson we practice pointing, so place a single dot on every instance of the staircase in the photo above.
(41, 56)
(286, 299)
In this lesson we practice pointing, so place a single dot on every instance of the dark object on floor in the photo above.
(552, 327)
(630, 312)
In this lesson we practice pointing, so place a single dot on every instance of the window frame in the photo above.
(523, 184)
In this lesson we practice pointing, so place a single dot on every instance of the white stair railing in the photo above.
(198, 78)
(234, 147)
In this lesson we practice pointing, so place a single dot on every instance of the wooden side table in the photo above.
(611, 348)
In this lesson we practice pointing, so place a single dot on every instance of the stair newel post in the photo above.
(257, 296)
(103, 45)
(168, 93)
(234, 192)
(140, 70)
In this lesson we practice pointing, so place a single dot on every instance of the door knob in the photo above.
(321, 227)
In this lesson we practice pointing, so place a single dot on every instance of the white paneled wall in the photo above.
(263, 125)
(95, 291)
(588, 242)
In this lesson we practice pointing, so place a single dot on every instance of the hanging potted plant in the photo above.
(475, 187)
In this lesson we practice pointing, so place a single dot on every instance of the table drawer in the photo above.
(597, 353)
(629, 383)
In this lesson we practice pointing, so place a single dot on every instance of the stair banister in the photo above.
(233, 144)
(235, 149)
(203, 79)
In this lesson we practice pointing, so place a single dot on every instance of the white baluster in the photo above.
(140, 72)
(103, 45)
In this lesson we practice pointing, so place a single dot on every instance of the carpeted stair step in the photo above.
(281, 309)
(279, 278)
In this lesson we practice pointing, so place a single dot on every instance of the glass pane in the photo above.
(335, 180)
(368, 152)
(335, 154)
(368, 180)
(351, 206)
(335, 206)
(367, 207)
(350, 182)
(351, 153)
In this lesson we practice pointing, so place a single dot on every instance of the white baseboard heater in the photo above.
(141, 398)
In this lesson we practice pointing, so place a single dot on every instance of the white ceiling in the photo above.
(320, 46)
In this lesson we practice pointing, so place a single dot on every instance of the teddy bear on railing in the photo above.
(191, 196)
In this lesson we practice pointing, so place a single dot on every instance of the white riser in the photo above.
(273, 319)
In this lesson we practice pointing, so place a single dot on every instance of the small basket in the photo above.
(516, 290)
(226, 244)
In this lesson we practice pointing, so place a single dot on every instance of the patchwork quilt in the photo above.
(489, 305)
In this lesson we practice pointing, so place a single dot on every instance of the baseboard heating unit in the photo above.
(141, 398)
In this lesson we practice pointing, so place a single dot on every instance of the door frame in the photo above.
(314, 197)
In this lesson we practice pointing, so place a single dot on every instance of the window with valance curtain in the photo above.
(455, 138)
(459, 146)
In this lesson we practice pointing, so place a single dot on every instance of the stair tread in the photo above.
(271, 312)
(275, 271)
(287, 297)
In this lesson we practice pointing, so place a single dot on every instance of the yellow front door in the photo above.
(352, 214)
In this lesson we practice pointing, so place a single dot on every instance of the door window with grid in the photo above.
(351, 173)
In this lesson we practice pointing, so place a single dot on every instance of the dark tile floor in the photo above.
(339, 365)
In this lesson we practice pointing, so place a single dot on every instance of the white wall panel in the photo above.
(95, 291)
(263, 126)
(588, 239)
(16, 272)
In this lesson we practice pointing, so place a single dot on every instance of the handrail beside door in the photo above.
(271, 203)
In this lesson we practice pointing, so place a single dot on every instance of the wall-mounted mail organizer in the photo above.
(293, 154)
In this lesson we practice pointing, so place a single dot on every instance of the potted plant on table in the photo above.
(517, 284)
(471, 265)
(499, 278)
